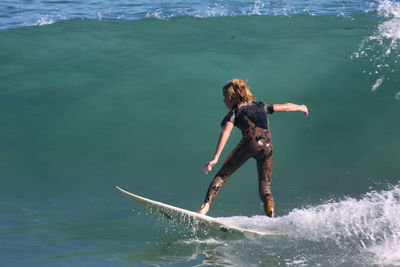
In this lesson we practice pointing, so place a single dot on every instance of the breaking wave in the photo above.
(369, 226)
(16, 13)
(381, 49)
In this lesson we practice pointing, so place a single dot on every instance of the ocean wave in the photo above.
(202, 241)
(46, 20)
(369, 225)
(389, 29)
(381, 49)
(16, 14)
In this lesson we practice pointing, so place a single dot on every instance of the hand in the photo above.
(305, 110)
(209, 165)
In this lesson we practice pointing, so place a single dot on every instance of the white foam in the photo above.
(377, 83)
(258, 6)
(158, 14)
(298, 261)
(387, 34)
(382, 46)
(215, 8)
(389, 29)
(209, 241)
(389, 9)
(369, 225)
(44, 20)
(387, 254)
(397, 96)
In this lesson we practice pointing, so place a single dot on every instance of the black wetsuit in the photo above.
(256, 142)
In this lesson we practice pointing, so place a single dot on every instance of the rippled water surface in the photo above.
(106, 93)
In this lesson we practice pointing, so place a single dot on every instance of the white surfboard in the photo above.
(187, 217)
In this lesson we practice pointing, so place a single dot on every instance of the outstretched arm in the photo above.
(291, 107)
(226, 132)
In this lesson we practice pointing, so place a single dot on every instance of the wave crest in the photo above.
(43, 12)
(381, 48)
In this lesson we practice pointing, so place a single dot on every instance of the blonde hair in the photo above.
(237, 91)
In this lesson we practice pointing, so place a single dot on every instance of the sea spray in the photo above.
(369, 225)
(381, 49)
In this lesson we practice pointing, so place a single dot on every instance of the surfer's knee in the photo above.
(214, 188)
(217, 183)
(212, 192)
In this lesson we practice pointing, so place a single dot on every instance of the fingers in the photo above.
(305, 110)
(208, 167)
(205, 169)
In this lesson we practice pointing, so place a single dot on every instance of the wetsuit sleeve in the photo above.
(229, 117)
(269, 108)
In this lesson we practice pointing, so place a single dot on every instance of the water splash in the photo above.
(377, 83)
(258, 6)
(216, 8)
(44, 20)
(207, 241)
(156, 14)
(390, 29)
(369, 225)
(381, 49)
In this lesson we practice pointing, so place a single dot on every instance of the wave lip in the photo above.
(388, 32)
(16, 14)
(390, 29)
(216, 8)
(381, 48)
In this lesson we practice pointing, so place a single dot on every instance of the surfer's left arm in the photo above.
(287, 107)
(223, 138)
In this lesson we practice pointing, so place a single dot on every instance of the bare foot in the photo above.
(204, 208)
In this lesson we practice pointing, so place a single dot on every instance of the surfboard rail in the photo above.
(187, 217)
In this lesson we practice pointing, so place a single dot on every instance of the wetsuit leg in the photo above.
(236, 159)
(264, 168)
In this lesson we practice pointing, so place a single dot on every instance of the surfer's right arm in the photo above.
(226, 132)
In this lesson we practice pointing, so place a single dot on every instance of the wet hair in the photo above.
(237, 91)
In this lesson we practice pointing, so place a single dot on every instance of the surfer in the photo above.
(251, 118)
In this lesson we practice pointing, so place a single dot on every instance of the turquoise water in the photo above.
(88, 104)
